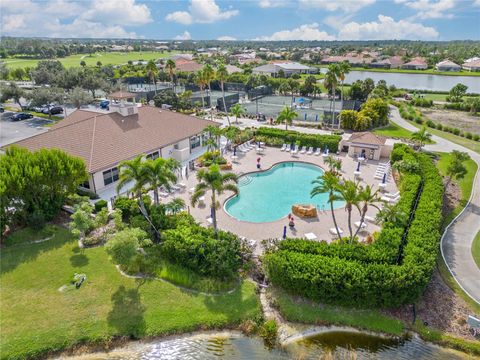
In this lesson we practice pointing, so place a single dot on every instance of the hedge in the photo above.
(357, 275)
(279, 136)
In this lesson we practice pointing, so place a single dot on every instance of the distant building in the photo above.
(447, 65)
(415, 64)
(472, 65)
(182, 65)
(288, 68)
(233, 69)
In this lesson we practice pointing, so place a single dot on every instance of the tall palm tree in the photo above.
(209, 74)
(331, 82)
(200, 80)
(213, 180)
(344, 69)
(286, 116)
(237, 111)
(161, 172)
(328, 183)
(231, 133)
(152, 72)
(349, 191)
(333, 164)
(170, 66)
(421, 136)
(215, 133)
(367, 197)
(175, 206)
(222, 75)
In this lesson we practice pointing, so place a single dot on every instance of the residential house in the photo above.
(415, 64)
(182, 65)
(103, 140)
(473, 65)
(288, 68)
(447, 65)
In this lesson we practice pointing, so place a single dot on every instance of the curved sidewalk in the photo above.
(458, 237)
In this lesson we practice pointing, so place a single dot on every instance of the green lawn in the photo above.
(465, 184)
(37, 318)
(310, 313)
(113, 58)
(476, 249)
(394, 131)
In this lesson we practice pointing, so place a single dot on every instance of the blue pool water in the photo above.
(269, 195)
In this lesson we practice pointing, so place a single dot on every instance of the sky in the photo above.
(244, 19)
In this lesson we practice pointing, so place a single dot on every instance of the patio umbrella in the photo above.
(292, 146)
(358, 166)
(384, 178)
(305, 116)
(284, 232)
(316, 117)
(325, 149)
(235, 151)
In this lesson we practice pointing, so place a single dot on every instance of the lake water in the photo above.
(235, 346)
(416, 81)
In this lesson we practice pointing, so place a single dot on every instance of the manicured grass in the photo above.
(394, 131)
(310, 313)
(37, 318)
(113, 58)
(29, 235)
(465, 184)
(476, 249)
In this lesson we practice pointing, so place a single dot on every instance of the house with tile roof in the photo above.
(415, 64)
(368, 145)
(447, 65)
(473, 65)
(104, 139)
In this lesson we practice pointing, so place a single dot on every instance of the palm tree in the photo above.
(201, 82)
(393, 214)
(222, 75)
(152, 72)
(328, 183)
(421, 136)
(231, 133)
(213, 180)
(333, 164)
(367, 197)
(331, 82)
(344, 69)
(170, 66)
(286, 116)
(237, 111)
(175, 206)
(215, 133)
(349, 191)
(160, 172)
(209, 74)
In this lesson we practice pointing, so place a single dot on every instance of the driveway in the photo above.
(13, 131)
(456, 243)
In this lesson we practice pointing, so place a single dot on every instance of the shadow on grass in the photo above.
(11, 257)
(79, 260)
(127, 312)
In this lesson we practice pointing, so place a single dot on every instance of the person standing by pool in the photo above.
(258, 163)
(291, 223)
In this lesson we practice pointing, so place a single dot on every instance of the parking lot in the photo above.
(12, 131)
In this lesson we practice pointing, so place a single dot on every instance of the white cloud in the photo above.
(386, 28)
(201, 11)
(185, 36)
(272, 3)
(476, 3)
(226, 38)
(66, 18)
(332, 5)
(431, 9)
(303, 32)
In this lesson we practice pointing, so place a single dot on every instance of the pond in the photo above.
(235, 346)
(269, 195)
(429, 82)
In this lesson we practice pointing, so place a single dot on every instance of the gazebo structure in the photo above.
(123, 102)
(368, 145)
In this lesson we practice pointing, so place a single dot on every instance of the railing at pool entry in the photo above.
(245, 180)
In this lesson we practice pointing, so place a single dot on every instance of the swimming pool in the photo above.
(269, 195)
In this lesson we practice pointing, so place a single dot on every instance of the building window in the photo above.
(195, 142)
(110, 176)
(154, 155)
(85, 185)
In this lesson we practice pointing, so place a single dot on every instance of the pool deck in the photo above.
(258, 231)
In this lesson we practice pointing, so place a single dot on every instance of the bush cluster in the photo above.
(370, 276)
(422, 102)
(374, 113)
(278, 137)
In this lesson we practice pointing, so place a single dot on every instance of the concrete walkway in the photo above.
(456, 243)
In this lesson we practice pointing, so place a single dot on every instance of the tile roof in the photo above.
(103, 140)
(367, 138)
(121, 95)
(188, 66)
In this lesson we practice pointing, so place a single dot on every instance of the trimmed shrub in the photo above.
(468, 135)
(36, 220)
(456, 131)
(271, 137)
(439, 126)
(431, 124)
(476, 137)
(100, 204)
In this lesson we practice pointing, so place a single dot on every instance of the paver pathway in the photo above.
(458, 237)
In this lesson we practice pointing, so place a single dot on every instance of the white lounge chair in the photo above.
(304, 150)
(318, 152)
(362, 225)
(333, 231)
(370, 219)
(310, 151)
(294, 151)
(163, 194)
(390, 199)
(393, 195)
(284, 147)
(182, 185)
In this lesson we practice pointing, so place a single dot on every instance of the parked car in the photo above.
(2, 109)
(21, 116)
(104, 104)
(53, 110)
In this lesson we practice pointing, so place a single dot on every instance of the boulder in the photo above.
(304, 210)
(227, 166)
